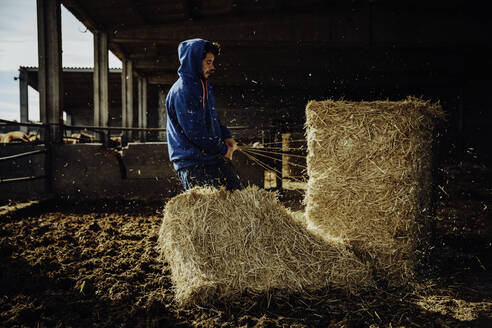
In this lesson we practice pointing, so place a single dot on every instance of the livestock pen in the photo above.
(80, 262)
(352, 230)
(95, 263)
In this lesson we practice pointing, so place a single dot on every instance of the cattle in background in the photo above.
(15, 136)
(81, 137)
(33, 137)
(114, 142)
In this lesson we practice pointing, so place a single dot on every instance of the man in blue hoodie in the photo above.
(199, 146)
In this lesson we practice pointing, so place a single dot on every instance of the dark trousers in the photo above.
(217, 175)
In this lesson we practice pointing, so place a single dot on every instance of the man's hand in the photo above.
(231, 147)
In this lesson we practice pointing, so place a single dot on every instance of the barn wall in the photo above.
(87, 171)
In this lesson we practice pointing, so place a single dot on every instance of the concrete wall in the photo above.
(89, 171)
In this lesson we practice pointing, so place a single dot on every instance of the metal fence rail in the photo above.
(6, 122)
(23, 154)
(22, 179)
(44, 151)
(108, 128)
(103, 133)
(121, 128)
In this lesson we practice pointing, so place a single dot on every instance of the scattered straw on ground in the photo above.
(369, 167)
(459, 309)
(221, 245)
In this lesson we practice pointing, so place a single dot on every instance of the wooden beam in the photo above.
(142, 105)
(50, 67)
(100, 78)
(322, 78)
(192, 9)
(157, 63)
(162, 78)
(384, 24)
(343, 27)
(127, 95)
(124, 117)
(162, 113)
(81, 14)
(24, 98)
(135, 12)
(303, 60)
(117, 51)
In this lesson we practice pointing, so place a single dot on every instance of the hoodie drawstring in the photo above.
(203, 93)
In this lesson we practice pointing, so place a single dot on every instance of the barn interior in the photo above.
(275, 57)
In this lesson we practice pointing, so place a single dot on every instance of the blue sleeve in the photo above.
(191, 118)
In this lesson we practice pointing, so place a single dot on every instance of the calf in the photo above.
(114, 142)
(82, 137)
(15, 136)
(33, 137)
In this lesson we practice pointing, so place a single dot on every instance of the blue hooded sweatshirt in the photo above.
(194, 132)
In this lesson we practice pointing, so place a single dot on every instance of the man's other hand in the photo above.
(231, 147)
(228, 155)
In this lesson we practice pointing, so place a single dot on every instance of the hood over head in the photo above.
(190, 54)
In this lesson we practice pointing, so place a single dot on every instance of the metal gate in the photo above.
(24, 166)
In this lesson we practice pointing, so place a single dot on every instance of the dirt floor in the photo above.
(94, 264)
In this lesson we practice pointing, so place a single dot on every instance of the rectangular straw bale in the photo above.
(369, 167)
(221, 245)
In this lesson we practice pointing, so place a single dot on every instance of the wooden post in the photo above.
(127, 95)
(50, 79)
(24, 98)
(285, 159)
(139, 104)
(270, 179)
(50, 68)
(162, 120)
(124, 118)
(101, 74)
(142, 106)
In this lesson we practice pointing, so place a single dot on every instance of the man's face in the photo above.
(208, 64)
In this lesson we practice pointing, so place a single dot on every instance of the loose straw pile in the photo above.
(369, 167)
(222, 245)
